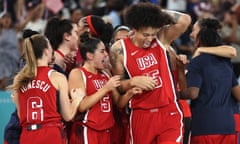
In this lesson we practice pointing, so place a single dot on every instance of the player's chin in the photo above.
(146, 45)
(101, 65)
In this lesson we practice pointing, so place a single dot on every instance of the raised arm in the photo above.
(171, 32)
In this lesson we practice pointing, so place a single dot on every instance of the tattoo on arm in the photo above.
(114, 55)
(174, 14)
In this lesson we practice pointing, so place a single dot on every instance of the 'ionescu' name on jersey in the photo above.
(39, 84)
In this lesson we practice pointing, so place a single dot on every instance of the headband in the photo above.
(89, 22)
(122, 27)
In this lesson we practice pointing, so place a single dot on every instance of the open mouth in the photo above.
(146, 44)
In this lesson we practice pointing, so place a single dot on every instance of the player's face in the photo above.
(76, 15)
(120, 35)
(194, 32)
(74, 38)
(51, 57)
(100, 56)
(144, 37)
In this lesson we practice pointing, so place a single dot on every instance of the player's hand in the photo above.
(143, 82)
(183, 59)
(77, 95)
(112, 83)
(69, 59)
(135, 90)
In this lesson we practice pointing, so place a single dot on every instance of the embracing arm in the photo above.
(189, 93)
(236, 92)
(226, 51)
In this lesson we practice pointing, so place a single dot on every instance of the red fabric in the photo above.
(213, 139)
(79, 60)
(38, 106)
(44, 135)
(151, 62)
(96, 137)
(100, 116)
(185, 108)
(237, 122)
(156, 125)
(90, 25)
(120, 128)
(38, 100)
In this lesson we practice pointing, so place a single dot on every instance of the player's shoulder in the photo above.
(57, 75)
(116, 46)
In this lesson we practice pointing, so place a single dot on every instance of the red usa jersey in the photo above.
(100, 116)
(151, 62)
(38, 100)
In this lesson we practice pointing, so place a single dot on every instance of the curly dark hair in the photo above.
(145, 14)
(208, 34)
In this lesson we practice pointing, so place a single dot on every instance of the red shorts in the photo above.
(213, 139)
(159, 125)
(237, 123)
(44, 135)
(92, 136)
(76, 133)
(118, 131)
(185, 108)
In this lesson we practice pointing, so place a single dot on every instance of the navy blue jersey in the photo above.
(12, 130)
(212, 111)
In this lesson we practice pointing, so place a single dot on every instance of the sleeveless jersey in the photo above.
(151, 62)
(38, 100)
(183, 103)
(100, 116)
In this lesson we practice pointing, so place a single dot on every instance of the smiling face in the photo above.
(143, 37)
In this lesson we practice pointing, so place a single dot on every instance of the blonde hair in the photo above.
(33, 50)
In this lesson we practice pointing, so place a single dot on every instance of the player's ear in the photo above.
(89, 55)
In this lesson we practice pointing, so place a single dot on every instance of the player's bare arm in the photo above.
(226, 51)
(236, 92)
(76, 81)
(67, 109)
(124, 99)
(116, 59)
(172, 32)
(189, 93)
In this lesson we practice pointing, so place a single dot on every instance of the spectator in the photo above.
(9, 51)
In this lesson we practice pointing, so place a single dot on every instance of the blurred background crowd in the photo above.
(17, 15)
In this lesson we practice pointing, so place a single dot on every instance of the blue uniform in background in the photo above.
(212, 111)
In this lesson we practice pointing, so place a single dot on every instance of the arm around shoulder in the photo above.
(226, 51)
